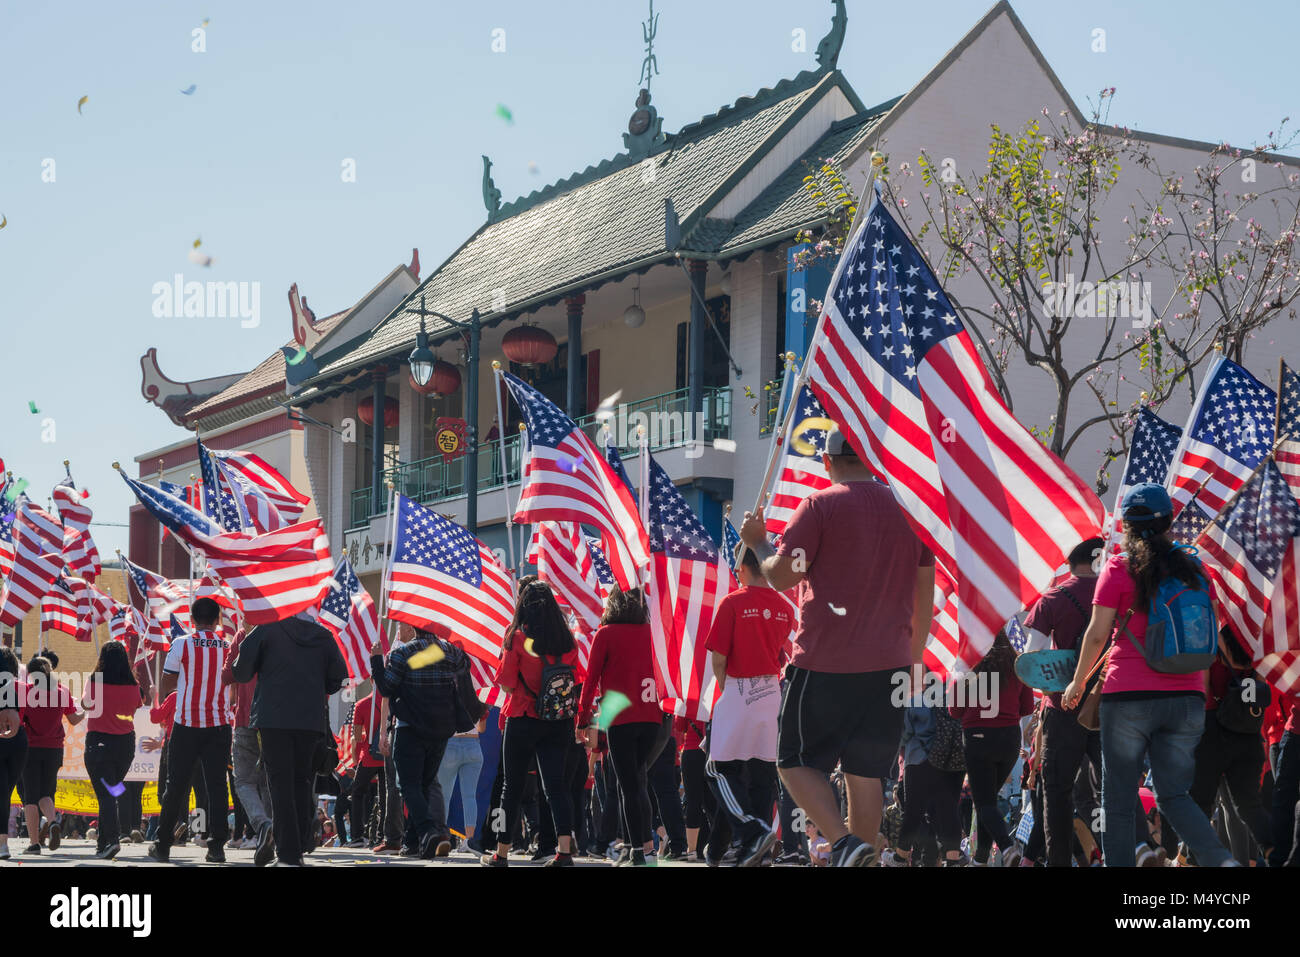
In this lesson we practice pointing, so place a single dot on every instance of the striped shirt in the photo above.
(202, 701)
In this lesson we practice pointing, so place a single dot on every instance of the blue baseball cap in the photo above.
(1146, 501)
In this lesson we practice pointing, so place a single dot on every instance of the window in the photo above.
(716, 365)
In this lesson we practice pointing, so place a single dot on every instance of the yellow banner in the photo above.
(78, 797)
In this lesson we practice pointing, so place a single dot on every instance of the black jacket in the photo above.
(298, 666)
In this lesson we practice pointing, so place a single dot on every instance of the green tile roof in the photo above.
(608, 220)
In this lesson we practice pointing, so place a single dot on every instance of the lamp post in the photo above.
(421, 360)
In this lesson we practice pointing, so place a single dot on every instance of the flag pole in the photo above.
(505, 474)
(388, 551)
(778, 426)
(877, 164)
(523, 457)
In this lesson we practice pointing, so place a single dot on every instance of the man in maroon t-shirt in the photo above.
(865, 612)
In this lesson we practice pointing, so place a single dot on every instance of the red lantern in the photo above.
(529, 346)
(444, 381)
(366, 411)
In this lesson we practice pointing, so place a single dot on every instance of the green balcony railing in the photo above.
(665, 418)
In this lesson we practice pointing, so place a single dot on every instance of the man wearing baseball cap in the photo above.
(864, 616)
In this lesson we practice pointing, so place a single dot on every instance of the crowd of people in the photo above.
(810, 754)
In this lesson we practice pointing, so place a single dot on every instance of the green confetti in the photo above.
(15, 489)
(612, 704)
(298, 356)
(503, 111)
(32, 406)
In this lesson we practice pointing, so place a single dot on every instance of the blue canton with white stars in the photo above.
(1264, 520)
(809, 408)
(1289, 395)
(732, 538)
(216, 504)
(674, 528)
(338, 601)
(1236, 415)
(891, 301)
(547, 425)
(598, 562)
(1152, 449)
(170, 510)
(426, 538)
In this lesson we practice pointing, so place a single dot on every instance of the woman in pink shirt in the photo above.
(112, 696)
(1145, 714)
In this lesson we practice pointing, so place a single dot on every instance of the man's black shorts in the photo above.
(847, 719)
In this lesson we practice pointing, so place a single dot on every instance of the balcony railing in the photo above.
(665, 417)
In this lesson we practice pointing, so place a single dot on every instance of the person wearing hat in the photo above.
(865, 614)
(1144, 713)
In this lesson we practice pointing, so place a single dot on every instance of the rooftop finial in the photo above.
(491, 195)
(828, 51)
(645, 128)
(649, 30)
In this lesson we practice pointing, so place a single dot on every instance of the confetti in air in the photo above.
(32, 407)
(190, 89)
(82, 102)
(117, 790)
(429, 656)
(297, 357)
(837, 611)
(200, 259)
(503, 111)
(612, 704)
(528, 647)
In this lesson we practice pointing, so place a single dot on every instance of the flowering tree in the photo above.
(1029, 231)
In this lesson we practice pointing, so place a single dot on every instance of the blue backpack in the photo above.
(1182, 629)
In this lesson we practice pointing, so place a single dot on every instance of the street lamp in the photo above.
(422, 360)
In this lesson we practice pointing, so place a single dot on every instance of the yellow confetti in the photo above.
(126, 717)
(82, 102)
(198, 242)
(802, 445)
(429, 656)
(528, 647)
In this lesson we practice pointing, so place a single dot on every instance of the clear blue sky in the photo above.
(251, 160)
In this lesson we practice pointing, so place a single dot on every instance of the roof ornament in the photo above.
(491, 195)
(828, 51)
(645, 128)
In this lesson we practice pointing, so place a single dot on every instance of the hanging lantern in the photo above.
(529, 346)
(366, 411)
(445, 380)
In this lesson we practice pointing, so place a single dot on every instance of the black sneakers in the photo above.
(215, 855)
(265, 847)
(494, 860)
(852, 851)
(157, 852)
(560, 860)
(753, 850)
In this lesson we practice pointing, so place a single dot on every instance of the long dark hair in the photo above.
(1152, 558)
(624, 608)
(8, 661)
(114, 665)
(1000, 660)
(539, 617)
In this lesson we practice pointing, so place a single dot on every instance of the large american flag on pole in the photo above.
(1287, 453)
(689, 576)
(8, 513)
(564, 561)
(272, 488)
(567, 480)
(1227, 435)
(218, 504)
(38, 560)
(443, 579)
(350, 614)
(79, 551)
(66, 608)
(801, 471)
(1250, 554)
(290, 573)
(900, 374)
(1149, 454)
(942, 653)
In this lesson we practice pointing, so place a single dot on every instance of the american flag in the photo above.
(730, 539)
(282, 573)
(689, 576)
(899, 373)
(1287, 454)
(563, 560)
(801, 471)
(273, 489)
(443, 578)
(1227, 435)
(64, 607)
(218, 504)
(942, 648)
(485, 687)
(38, 560)
(1250, 554)
(79, 551)
(567, 480)
(1149, 454)
(350, 614)
(163, 598)
(255, 510)
(7, 516)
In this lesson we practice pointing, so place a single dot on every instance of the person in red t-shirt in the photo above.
(622, 663)
(864, 615)
(48, 705)
(751, 627)
(110, 701)
(538, 636)
(370, 765)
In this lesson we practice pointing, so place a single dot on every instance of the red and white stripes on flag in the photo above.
(900, 374)
(79, 551)
(38, 559)
(350, 615)
(444, 580)
(485, 684)
(1287, 432)
(801, 471)
(942, 648)
(293, 576)
(563, 560)
(566, 479)
(683, 596)
(66, 608)
(276, 490)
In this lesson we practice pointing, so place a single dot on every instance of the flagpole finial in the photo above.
(790, 357)
(65, 463)
(193, 477)
(496, 365)
(727, 511)
(877, 159)
(523, 427)
(117, 466)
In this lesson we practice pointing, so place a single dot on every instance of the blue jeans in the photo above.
(1165, 730)
(463, 762)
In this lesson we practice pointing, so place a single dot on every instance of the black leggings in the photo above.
(700, 802)
(930, 796)
(631, 750)
(13, 757)
(108, 759)
(41, 774)
(990, 755)
(549, 740)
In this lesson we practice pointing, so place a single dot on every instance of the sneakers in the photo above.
(1011, 857)
(157, 852)
(137, 837)
(894, 859)
(45, 832)
(357, 843)
(494, 860)
(265, 847)
(56, 836)
(616, 854)
(215, 855)
(963, 861)
(642, 859)
(387, 847)
(33, 849)
(852, 851)
(542, 854)
(757, 847)
(673, 854)
(623, 857)
(791, 859)
(560, 860)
